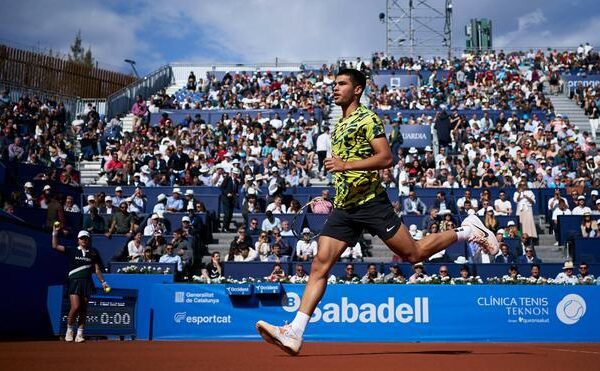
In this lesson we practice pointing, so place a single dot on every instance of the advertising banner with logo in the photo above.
(396, 81)
(571, 82)
(418, 136)
(387, 313)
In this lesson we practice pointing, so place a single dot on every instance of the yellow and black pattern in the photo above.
(351, 140)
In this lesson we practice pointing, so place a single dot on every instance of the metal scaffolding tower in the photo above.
(418, 28)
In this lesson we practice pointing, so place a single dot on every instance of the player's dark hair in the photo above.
(358, 78)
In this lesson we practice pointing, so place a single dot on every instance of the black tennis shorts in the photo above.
(377, 216)
(83, 287)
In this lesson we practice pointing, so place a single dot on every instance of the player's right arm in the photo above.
(55, 244)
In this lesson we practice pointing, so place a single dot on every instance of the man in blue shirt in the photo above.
(174, 202)
(171, 257)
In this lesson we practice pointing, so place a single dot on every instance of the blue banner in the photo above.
(418, 136)
(387, 313)
(396, 81)
(571, 82)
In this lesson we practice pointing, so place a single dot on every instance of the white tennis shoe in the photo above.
(282, 336)
(481, 234)
(69, 335)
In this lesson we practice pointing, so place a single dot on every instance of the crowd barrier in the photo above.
(370, 313)
(587, 250)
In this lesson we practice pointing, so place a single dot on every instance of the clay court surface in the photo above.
(218, 355)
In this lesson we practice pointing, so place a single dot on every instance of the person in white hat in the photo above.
(204, 178)
(306, 249)
(175, 202)
(359, 150)
(190, 201)
(91, 202)
(567, 276)
(161, 203)
(153, 225)
(28, 197)
(118, 197)
(581, 208)
(83, 260)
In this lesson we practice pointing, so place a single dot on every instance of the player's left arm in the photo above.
(99, 275)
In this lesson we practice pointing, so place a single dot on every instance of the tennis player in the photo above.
(83, 260)
(359, 150)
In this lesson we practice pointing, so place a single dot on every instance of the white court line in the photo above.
(573, 351)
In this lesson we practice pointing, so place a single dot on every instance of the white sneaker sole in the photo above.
(261, 327)
(492, 242)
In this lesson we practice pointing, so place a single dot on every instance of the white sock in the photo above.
(70, 328)
(80, 331)
(299, 323)
(463, 233)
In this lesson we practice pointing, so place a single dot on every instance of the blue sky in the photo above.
(247, 31)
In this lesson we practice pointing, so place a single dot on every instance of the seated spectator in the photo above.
(447, 223)
(93, 222)
(529, 257)
(442, 204)
(535, 272)
(122, 222)
(285, 229)
(395, 274)
(524, 243)
(322, 204)
(286, 249)
(278, 273)
(419, 272)
(500, 235)
(490, 220)
(349, 274)
(372, 275)
(108, 207)
(467, 197)
(431, 218)
(148, 256)
(262, 246)
(157, 243)
(413, 205)
(245, 254)
(352, 253)
(295, 207)
(482, 256)
(581, 208)
(270, 222)
(250, 205)
(27, 198)
(301, 276)
(70, 205)
(502, 206)
(277, 206)
(443, 272)
(417, 234)
(171, 257)
(174, 202)
(464, 272)
(511, 230)
(161, 203)
(306, 249)
(253, 228)
(138, 202)
(513, 272)
(135, 249)
(240, 238)
(153, 226)
(182, 246)
(584, 274)
(91, 202)
(276, 255)
(589, 227)
(214, 269)
(118, 197)
(567, 276)
(505, 256)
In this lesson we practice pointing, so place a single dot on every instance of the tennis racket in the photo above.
(302, 211)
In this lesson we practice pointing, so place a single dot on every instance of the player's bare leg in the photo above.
(413, 251)
(289, 337)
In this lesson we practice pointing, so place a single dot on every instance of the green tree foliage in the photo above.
(78, 54)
